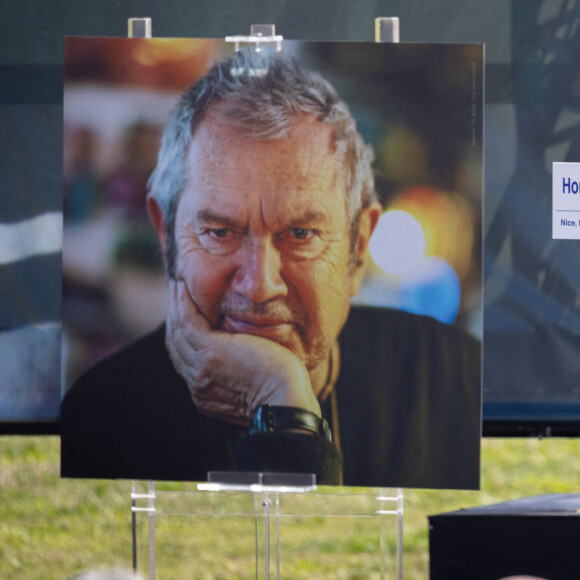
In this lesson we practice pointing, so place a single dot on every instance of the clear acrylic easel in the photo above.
(267, 499)
(272, 526)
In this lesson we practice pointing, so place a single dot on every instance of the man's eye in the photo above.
(302, 243)
(219, 241)
(219, 233)
(302, 233)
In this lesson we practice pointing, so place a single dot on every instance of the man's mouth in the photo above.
(267, 327)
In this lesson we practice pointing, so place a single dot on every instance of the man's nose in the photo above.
(259, 277)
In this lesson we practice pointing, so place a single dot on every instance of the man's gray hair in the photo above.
(262, 95)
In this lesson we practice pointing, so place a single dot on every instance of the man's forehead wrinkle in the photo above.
(294, 213)
(289, 175)
(212, 149)
(302, 175)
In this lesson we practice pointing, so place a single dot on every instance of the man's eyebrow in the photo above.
(209, 216)
(309, 216)
(303, 218)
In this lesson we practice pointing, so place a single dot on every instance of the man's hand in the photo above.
(229, 375)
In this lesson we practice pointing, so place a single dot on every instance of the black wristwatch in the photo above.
(277, 419)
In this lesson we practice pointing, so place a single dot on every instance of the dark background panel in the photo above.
(532, 304)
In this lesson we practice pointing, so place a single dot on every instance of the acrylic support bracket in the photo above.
(139, 28)
(258, 482)
(387, 29)
(260, 34)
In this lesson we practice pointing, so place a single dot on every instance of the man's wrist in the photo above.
(280, 419)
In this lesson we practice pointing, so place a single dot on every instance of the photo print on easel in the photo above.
(277, 269)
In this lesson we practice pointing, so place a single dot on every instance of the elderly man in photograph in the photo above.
(263, 200)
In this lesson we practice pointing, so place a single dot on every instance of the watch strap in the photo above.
(279, 419)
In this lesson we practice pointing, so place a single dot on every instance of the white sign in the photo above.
(566, 201)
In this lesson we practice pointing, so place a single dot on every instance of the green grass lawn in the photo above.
(52, 528)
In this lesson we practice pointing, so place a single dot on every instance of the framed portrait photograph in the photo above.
(272, 261)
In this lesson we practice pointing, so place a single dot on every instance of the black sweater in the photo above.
(409, 414)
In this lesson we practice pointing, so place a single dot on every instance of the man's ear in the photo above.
(158, 220)
(369, 218)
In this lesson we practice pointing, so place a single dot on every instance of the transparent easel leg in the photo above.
(382, 543)
(400, 501)
(383, 531)
(384, 512)
(258, 525)
(151, 502)
(137, 497)
(263, 530)
(278, 535)
(266, 503)
(134, 525)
